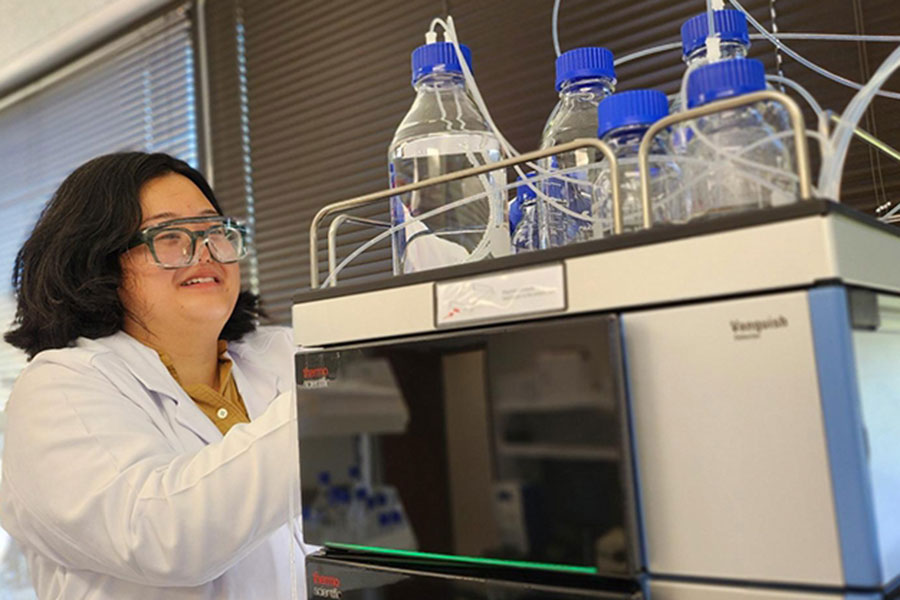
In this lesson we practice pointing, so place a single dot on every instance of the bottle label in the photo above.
(536, 290)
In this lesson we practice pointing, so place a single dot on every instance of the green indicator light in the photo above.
(466, 559)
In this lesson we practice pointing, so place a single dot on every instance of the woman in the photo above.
(150, 448)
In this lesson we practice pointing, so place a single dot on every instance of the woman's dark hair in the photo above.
(67, 274)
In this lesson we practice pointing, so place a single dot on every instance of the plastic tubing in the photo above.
(832, 169)
(835, 37)
(807, 63)
(387, 232)
(821, 118)
(737, 157)
(472, 85)
(450, 28)
(554, 25)
(444, 118)
(533, 181)
(707, 168)
(682, 92)
(713, 39)
(710, 20)
(482, 248)
(450, 31)
(647, 52)
(831, 37)
(802, 91)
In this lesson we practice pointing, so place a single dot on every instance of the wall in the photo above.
(36, 37)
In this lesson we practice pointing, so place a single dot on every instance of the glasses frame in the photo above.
(145, 236)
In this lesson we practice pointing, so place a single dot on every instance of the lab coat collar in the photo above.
(144, 363)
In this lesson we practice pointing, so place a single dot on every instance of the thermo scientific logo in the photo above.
(315, 377)
(315, 373)
(753, 330)
(326, 586)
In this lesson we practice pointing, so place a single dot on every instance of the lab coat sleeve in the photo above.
(90, 482)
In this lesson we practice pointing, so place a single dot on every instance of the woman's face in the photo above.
(171, 302)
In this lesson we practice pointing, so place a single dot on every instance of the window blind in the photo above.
(137, 93)
(323, 87)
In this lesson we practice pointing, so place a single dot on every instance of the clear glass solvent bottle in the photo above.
(734, 40)
(444, 132)
(584, 77)
(734, 43)
(741, 158)
(623, 120)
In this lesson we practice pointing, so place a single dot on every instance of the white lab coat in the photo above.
(117, 486)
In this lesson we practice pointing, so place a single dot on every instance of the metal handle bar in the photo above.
(797, 124)
(456, 175)
(332, 235)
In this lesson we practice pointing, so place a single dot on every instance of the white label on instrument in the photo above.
(492, 297)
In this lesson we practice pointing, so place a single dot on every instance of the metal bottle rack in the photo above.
(800, 149)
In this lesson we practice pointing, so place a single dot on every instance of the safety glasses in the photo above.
(173, 246)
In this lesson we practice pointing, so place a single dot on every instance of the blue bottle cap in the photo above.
(731, 25)
(353, 471)
(637, 107)
(584, 63)
(324, 477)
(526, 192)
(725, 79)
(515, 212)
(523, 193)
(438, 57)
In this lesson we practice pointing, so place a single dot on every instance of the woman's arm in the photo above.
(91, 482)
